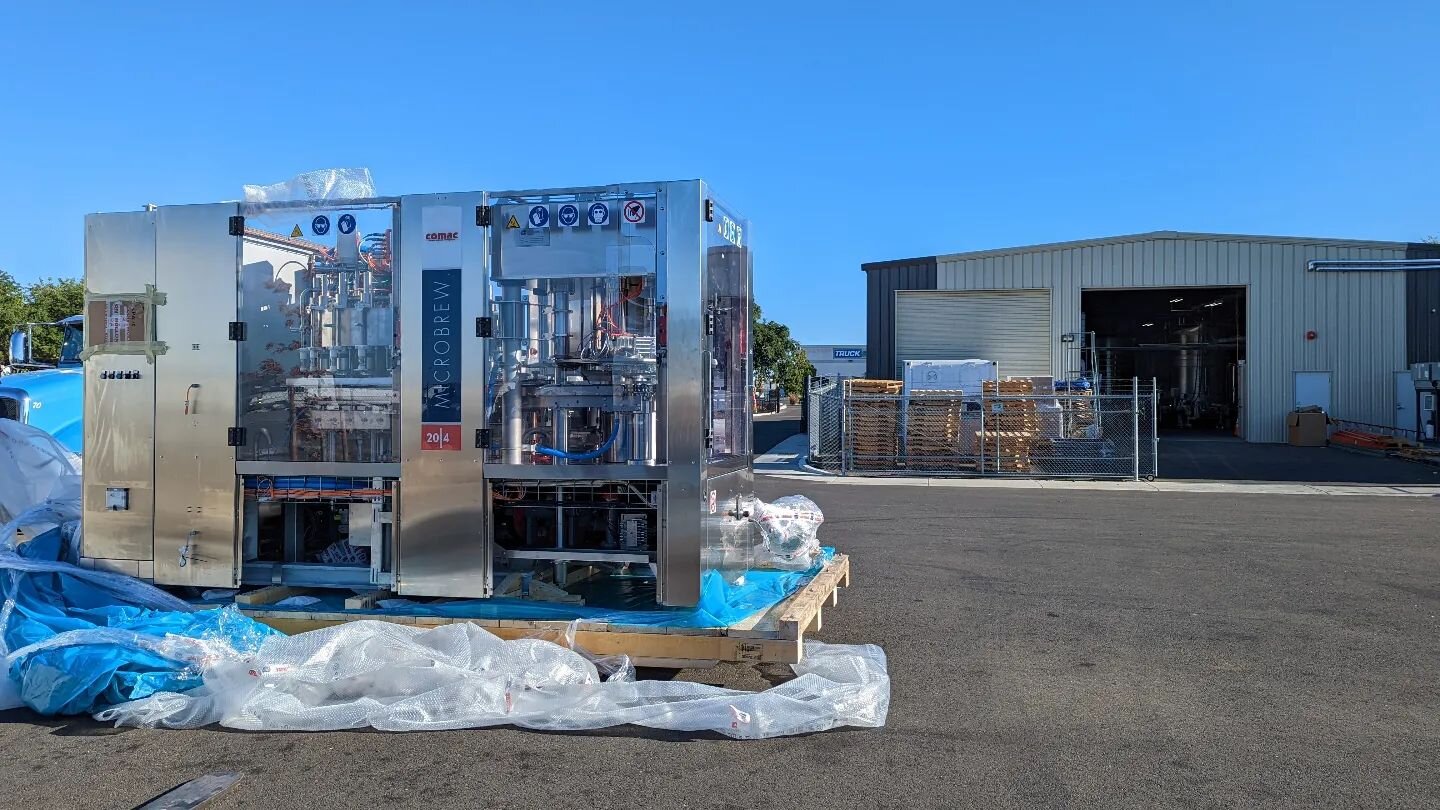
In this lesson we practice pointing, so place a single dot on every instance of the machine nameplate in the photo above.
(440, 352)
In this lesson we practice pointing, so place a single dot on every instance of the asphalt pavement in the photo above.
(1047, 649)
(1184, 458)
(769, 429)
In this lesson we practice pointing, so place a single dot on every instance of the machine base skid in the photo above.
(774, 636)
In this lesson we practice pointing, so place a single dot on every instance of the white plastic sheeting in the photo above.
(788, 527)
(39, 489)
(35, 469)
(404, 678)
(322, 184)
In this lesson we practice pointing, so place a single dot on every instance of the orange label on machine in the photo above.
(439, 437)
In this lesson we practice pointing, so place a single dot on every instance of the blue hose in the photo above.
(587, 456)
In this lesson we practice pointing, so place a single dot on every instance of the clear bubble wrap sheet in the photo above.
(788, 527)
(35, 471)
(322, 184)
(403, 678)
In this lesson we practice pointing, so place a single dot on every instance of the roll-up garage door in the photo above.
(1011, 327)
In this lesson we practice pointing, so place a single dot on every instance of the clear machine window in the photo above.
(319, 365)
(576, 369)
(727, 273)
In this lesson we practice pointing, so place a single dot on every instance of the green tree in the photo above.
(778, 358)
(13, 309)
(51, 299)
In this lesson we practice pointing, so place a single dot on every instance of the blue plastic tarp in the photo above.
(722, 603)
(77, 640)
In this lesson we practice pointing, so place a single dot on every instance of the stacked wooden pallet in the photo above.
(872, 423)
(1078, 407)
(1012, 428)
(775, 635)
(1419, 454)
(936, 438)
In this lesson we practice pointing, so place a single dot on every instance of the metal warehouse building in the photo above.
(836, 359)
(1237, 330)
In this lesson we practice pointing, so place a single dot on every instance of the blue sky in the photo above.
(845, 132)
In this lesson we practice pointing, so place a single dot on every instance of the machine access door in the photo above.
(195, 486)
(440, 535)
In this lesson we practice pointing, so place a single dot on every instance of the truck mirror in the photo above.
(19, 347)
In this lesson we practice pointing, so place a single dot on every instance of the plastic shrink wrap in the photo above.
(322, 184)
(788, 530)
(404, 678)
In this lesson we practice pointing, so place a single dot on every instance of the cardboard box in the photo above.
(1307, 429)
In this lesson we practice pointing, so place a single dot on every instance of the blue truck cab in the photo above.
(51, 398)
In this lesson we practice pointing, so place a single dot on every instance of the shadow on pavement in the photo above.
(1236, 460)
(772, 428)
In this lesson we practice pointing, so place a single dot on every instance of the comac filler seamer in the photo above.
(418, 393)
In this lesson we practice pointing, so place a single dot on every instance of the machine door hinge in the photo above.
(237, 226)
(709, 210)
(482, 439)
(237, 330)
(235, 437)
(709, 438)
(710, 321)
(482, 216)
(484, 327)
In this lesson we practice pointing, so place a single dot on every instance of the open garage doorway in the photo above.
(1191, 340)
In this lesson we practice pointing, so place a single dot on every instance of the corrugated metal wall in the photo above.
(1011, 327)
(1362, 337)
(1422, 307)
(882, 279)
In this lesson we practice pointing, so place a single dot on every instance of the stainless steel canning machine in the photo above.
(440, 394)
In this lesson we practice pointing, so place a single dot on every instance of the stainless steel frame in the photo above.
(195, 486)
(440, 540)
(686, 385)
(119, 417)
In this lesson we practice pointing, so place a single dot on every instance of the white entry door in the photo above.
(1404, 400)
(1312, 388)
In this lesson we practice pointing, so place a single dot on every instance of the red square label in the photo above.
(439, 437)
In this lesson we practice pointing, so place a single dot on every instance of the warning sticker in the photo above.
(512, 223)
(634, 211)
(296, 233)
(568, 215)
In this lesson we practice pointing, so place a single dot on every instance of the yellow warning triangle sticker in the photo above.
(512, 222)
(297, 233)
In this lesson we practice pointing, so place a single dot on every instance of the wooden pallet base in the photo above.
(774, 636)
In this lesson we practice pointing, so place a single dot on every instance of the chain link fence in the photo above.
(825, 407)
(868, 427)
